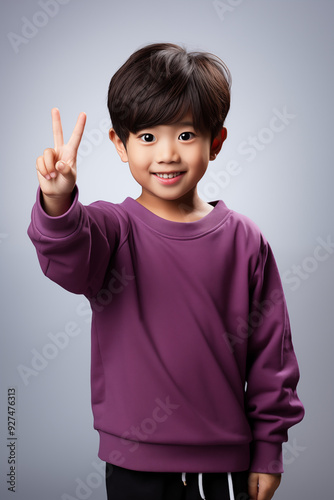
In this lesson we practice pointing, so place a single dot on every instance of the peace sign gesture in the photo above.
(56, 169)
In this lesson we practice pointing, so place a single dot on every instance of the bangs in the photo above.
(165, 108)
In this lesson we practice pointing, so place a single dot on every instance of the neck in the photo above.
(188, 208)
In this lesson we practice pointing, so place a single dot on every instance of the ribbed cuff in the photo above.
(57, 227)
(266, 458)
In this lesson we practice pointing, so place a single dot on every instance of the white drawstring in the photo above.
(230, 486)
(200, 485)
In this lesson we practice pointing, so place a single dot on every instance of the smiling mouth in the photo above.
(168, 176)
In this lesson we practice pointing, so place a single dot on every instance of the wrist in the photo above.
(58, 226)
(56, 205)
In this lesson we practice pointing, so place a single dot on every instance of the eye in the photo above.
(147, 137)
(186, 136)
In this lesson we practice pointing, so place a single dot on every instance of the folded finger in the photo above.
(49, 156)
(41, 168)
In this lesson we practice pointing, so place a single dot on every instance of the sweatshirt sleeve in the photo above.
(75, 248)
(272, 403)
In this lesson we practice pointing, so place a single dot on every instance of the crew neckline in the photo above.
(176, 229)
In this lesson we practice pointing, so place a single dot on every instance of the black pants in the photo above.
(124, 484)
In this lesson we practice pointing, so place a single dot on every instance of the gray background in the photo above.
(280, 55)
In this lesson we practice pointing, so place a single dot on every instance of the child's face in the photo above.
(167, 160)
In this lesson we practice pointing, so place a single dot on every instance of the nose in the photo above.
(167, 152)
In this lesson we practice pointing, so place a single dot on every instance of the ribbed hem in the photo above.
(172, 458)
(57, 227)
(266, 457)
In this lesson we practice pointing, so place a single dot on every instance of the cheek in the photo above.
(139, 160)
(135, 161)
(202, 158)
(138, 169)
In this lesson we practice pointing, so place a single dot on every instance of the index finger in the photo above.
(78, 130)
(57, 128)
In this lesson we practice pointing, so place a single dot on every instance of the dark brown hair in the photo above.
(161, 82)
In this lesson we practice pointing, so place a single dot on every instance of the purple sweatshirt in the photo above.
(192, 365)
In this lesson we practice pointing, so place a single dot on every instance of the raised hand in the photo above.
(56, 169)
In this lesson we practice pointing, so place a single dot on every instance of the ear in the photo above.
(217, 143)
(120, 148)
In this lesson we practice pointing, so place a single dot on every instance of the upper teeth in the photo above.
(168, 176)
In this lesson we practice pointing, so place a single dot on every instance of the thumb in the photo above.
(253, 485)
(63, 168)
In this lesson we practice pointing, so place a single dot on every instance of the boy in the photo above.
(193, 370)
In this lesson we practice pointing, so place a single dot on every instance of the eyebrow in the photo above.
(186, 124)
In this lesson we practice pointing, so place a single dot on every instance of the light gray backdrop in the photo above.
(276, 167)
